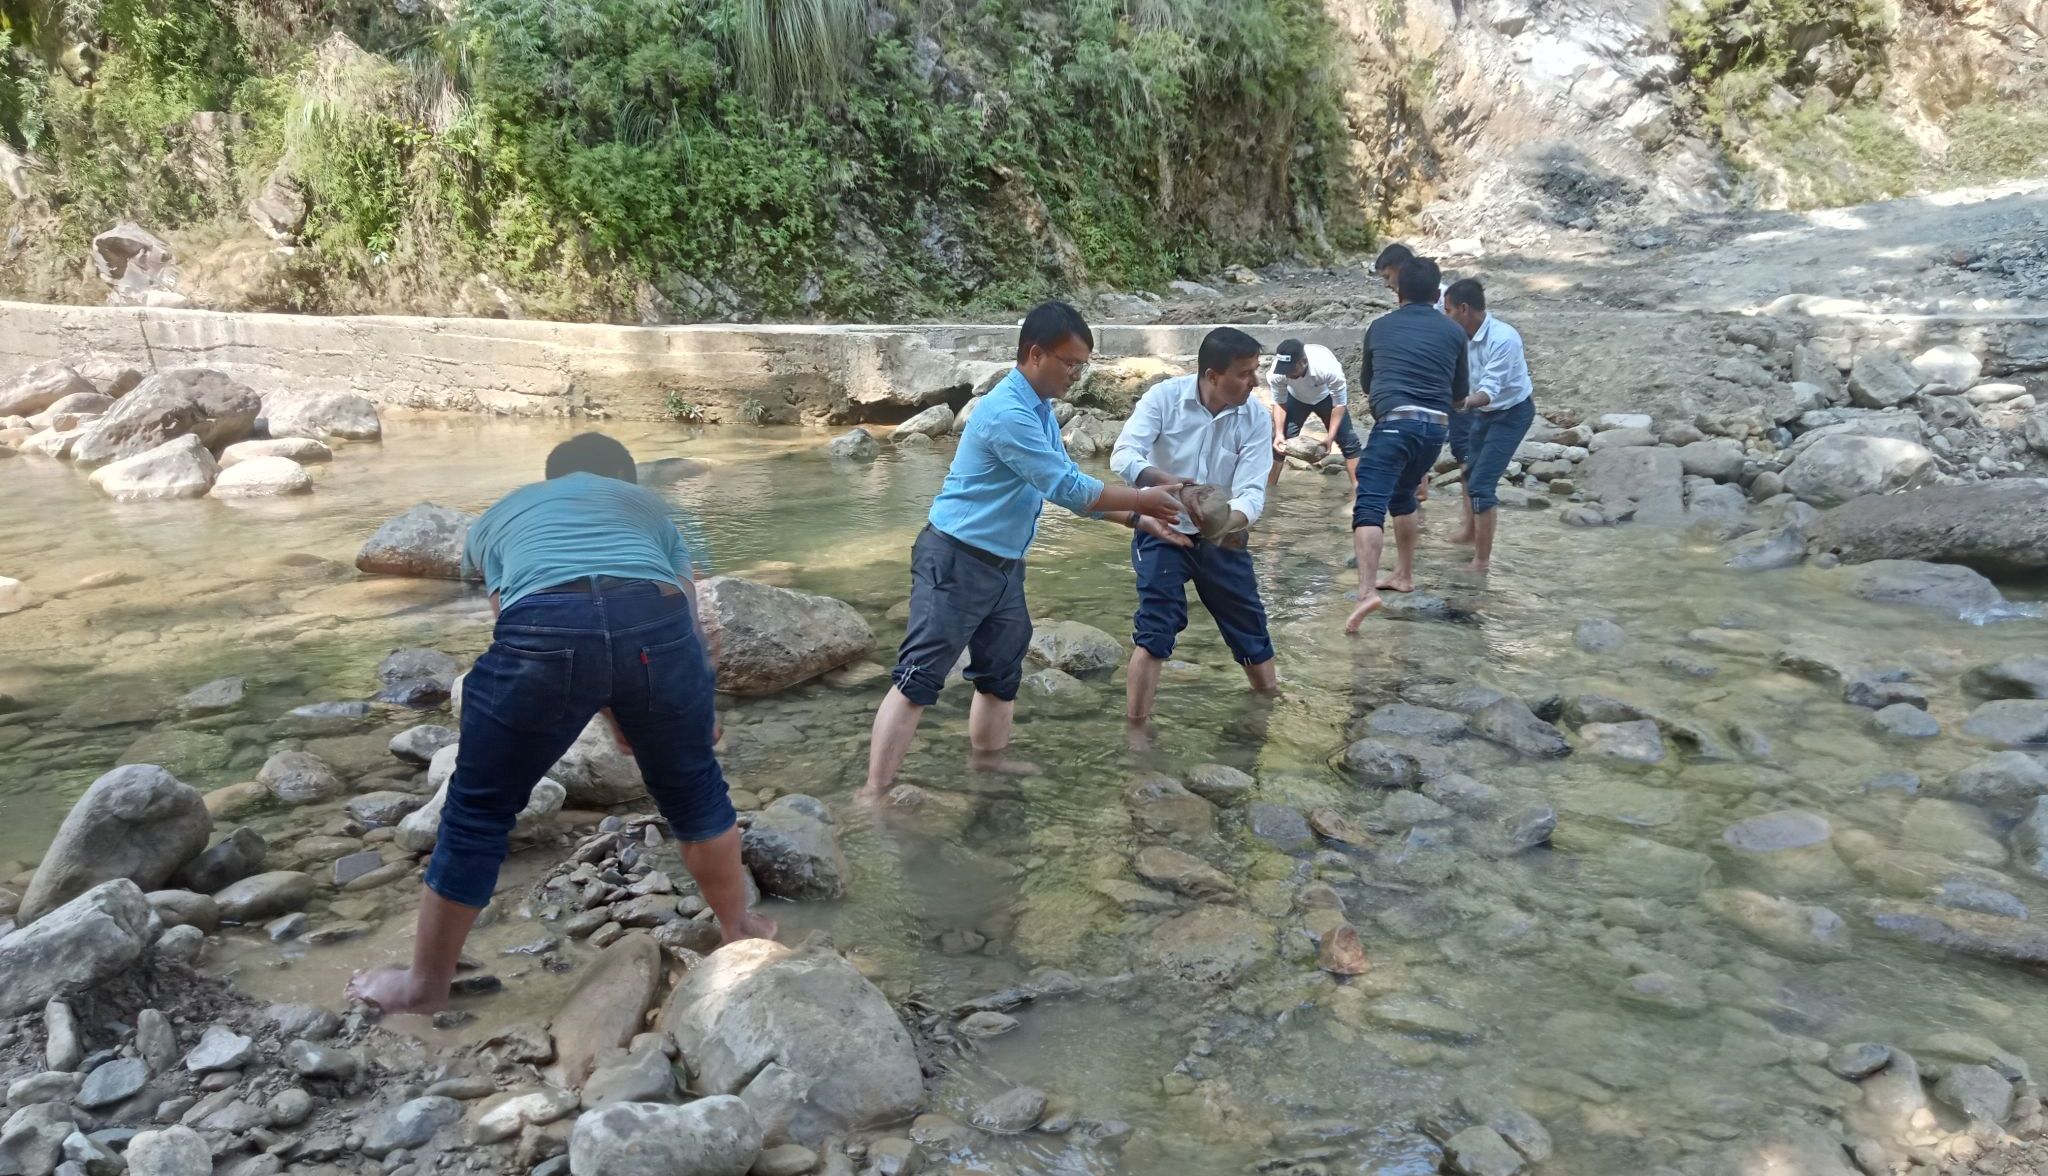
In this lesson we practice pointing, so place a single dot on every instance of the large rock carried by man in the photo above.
(770, 639)
(137, 822)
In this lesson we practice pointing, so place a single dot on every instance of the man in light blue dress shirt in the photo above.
(1200, 428)
(967, 567)
(1501, 408)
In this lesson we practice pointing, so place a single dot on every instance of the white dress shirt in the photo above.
(1171, 430)
(1499, 367)
(1323, 380)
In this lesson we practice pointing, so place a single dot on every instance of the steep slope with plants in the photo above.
(665, 160)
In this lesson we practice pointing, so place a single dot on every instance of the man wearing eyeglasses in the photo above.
(967, 566)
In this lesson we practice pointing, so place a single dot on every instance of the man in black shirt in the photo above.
(1416, 375)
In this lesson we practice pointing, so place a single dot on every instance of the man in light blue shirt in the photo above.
(1501, 408)
(967, 567)
(1200, 429)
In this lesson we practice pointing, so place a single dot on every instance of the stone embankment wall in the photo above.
(1586, 359)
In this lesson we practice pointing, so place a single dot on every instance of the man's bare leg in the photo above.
(1367, 543)
(1483, 526)
(1407, 536)
(1465, 524)
(988, 736)
(716, 866)
(889, 742)
(1273, 475)
(436, 946)
(1264, 676)
(1351, 471)
(1141, 685)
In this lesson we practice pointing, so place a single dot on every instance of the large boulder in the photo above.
(227, 409)
(179, 468)
(321, 415)
(425, 541)
(416, 677)
(792, 853)
(137, 822)
(770, 639)
(1074, 648)
(1998, 527)
(595, 771)
(420, 829)
(856, 445)
(83, 943)
(1649, 480)
(1837, 468)
(1948, 366)
(1947, 588)
(608, 1007)
(716, 1136)
(1719, 459)
(934, 422)
(40, 387)
(1878, 380)
(138, 422)
(756, 1001)
(2023, 675)
(262, 477)
(137, 264)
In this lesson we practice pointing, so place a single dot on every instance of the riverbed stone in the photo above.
(1978, 1092)
(1775, 832)
(644, 1077)
(1017, 1109)
(88, 940)
(178, 468)
(933, 422)
(1789, 928)
(220, 1048)
(2023, 675)
(377, 810)
(425, 541)
(139, 422)
(298, 450)
(42, 386)
(1905, 721)
(298, 777)
(185, 908)
(264, 896)
(1945, 588)
(507, 1114)
(262, 477)
(715, 1136)
(1843, 466)
(1990, 937)
(420, 829)
(1081, 650)
(1480, 1151)
(856, 445)
(1381, 764)
(1219, 784)
(321, 415)
(755, 1001)
(1280, 826)
(137, 822)
(222, 694)
(790, 1159)
(1403, 720)
(770, 639)
(607, 1007)
(410, 1124)
(172, 1151)
(417, 745)
(1182, 873)
(32, 1142)
(416, 677)
(595, 771)
(1509, 722)
(1210, 945)
(228, 860)
(2030, 840)
(310, 1059)
(113, 1082)
(794, 855)
(1596, 635)
(1638, 742)
(1415, 1014)
(2010, 722)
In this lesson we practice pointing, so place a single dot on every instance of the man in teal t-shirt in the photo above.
(596, 614)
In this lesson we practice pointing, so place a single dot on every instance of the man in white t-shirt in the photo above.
(1308, 381)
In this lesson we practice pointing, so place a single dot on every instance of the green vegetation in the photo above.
(674, 159)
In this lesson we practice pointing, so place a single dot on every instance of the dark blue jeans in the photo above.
(559, 658)
(1297, 414)
(1461, 435)
(962, 598)
(1223, 579)
(1398, 455)
(1495, 437)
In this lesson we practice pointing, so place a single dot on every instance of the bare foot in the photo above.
(1368, 604)
(753, 926)
(1393, 583)
(1422, 491)
(1477, 567)
(1462, 538)
(1138, 735)
(996, 761)
(393, 990)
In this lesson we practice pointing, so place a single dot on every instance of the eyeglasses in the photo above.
(1074, 366)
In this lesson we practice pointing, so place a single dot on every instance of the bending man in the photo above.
(1388, 267)
(1308, 381)
(967, 567)
(1200, 428)
(590, 581)
(1415, 372)
(1500, 408)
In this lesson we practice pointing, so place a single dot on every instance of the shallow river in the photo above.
(1515, 960)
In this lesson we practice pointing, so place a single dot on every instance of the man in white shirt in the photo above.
(1199, 429)
(1501, 408)
(1308, 381)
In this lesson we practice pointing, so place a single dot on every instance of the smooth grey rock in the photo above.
(173, 1151)
(1999, 527)
(1835, 469)
(63, 1048)
(1906, 721)
(1480, 1151)
(1638, 742)
(1279, 826)
(114, 1082)
(856, 445)
(264, 896)
(426, 541)
(409, 1125)
(1210, 945)
(1381, 764)
(310, 1060)
(1510, 723)
(1859, 1060)
(1979, 1092)
(1599, 636)
(714, 1136)
(229, 860)
(2023, 675)
(220, 1048)
(137, 822)
(770, 639)
(794, 855)
(645, 1077)
(224, 694)
(417, 745)
(1778, 831)
(1403, 720)
(1878, 379)
(2010, 722)
(1945, 588)
(416, 677)
(1018, 1109)
(1789, 928)
(1081, 650)
(1219, 784)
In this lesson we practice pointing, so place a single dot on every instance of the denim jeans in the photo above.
(960, 599)
(1495, 437)
(1398, 455)
(1297, 414)
(1223, 579)
(556, 660)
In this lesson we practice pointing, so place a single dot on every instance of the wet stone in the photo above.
(1978, 1092)
(1480, 1151)
(986, 1024)
(1279, 826)
(1219, 784)
(1402, 720)
(1599, 636)
(113, 1082)
(1778, 831)
(1905, 721)
(1859, 1059)
(1904, 782)
(353, 866)
(220, 1048)
(1015, 1110)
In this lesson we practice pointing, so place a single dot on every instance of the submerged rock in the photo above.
(755, 1001)
(770, 639)
(1991, 937)
(2010, 722)
(2023, 675)
(1998, 526)
(1955, 591)
(137, 822)
(1078, 649)
(425, 541)
(793, 854)
(178, 468)
(1509, 722)
(1787, 927)
(715, 1136)
(1210, 945)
